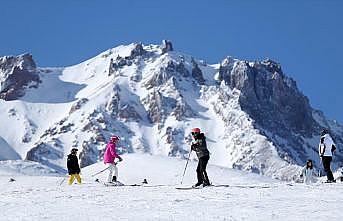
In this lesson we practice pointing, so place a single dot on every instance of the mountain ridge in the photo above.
(152, 96)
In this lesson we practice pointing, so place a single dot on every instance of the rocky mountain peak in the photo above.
(16, 73)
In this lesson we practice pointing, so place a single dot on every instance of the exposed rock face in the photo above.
(155, 102)
(137, 51)
(166, 46)
(119, 108)
(47, 153)
(89, 154)
(16, 73)
(172, 71)
(197, 73)
(78, 105)
(273, 101)
(173, 138)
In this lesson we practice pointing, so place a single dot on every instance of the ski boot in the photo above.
(197, 185)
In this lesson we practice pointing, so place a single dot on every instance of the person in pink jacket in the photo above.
(109, 157)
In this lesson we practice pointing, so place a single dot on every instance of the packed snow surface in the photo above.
(249, 197)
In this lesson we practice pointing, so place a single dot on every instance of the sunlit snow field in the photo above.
(249, 197)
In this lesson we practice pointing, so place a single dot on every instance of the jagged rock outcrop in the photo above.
(76, 106)
(166, 46)
(136, 53)
(16, 73)
(197, 73)
(155, 101)
(173, 137)
(121, 109)
(89, 154)
(164, 74)
(47, 153)
(273, 101)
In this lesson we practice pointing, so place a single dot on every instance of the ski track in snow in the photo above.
(249, 197)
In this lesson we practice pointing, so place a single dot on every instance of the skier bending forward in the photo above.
(109, 157)
(200, 147)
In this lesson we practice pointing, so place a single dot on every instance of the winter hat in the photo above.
(74, 150)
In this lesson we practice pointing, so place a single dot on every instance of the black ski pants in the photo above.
(201, 170)
(326, 164)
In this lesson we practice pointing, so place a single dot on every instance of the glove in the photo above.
(301, 176)
(120, 159)
(193, 147)
(333, 148)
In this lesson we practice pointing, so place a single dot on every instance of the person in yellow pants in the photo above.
(73, 177)
(73, 167)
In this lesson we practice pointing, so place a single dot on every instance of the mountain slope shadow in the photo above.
(52, 90)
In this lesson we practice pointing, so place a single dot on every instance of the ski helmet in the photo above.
(114, 138)
(196, 130)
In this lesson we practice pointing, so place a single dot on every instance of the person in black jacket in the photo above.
(73, 167)
(200, 147)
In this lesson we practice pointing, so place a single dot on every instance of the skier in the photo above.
(109, 157)
(326, 149)
(200, 147)
(73, 167)
(308, 173)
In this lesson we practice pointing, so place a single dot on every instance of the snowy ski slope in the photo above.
(249, 197)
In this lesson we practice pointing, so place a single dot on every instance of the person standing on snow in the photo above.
(308, 173)
(326, 149)
(200, 147)
(109, 157)
(73, 167)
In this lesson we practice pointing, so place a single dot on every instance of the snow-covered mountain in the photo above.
(254, 116)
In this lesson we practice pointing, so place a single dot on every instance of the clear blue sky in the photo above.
(304, 36)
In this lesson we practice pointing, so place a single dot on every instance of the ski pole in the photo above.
(186, 166)
(101, 171)
(64, 178)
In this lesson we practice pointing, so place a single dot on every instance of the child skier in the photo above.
(73, 167)
(200, 147)
(308, 173)
(109, 157)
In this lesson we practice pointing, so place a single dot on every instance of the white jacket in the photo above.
(326, 146)
(309, 175)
